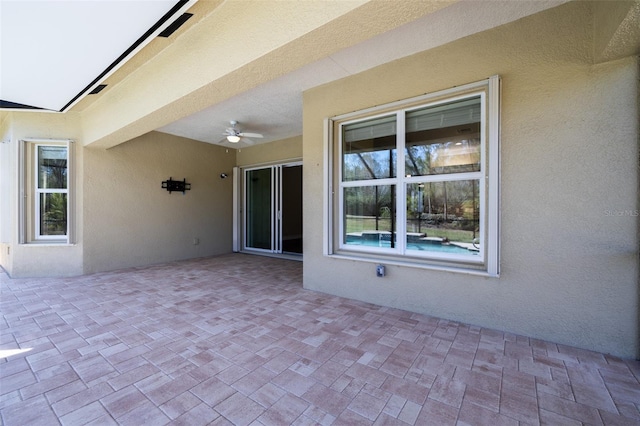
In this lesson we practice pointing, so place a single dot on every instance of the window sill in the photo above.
(413, 264)
(47, 244)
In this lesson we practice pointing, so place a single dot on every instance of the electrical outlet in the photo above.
(196, 241)
(380, 271)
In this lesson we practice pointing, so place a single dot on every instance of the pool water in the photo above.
(430, 245)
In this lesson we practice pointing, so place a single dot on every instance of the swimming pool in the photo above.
(414, 242)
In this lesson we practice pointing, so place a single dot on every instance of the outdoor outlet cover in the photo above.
(380, 272)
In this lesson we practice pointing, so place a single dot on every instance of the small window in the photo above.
(51, 204)
(46, 197)
(417, 181)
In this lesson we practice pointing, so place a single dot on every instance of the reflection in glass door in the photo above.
(273, 209)
(259, 208)
(291, 208)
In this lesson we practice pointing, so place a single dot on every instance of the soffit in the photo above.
(53, 51)
(251, 60)
(222, 57)
(199, 10)
(275, 107)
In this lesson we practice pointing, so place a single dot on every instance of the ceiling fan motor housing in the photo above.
(233, 135)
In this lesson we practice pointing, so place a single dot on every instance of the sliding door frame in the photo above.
(240, 223)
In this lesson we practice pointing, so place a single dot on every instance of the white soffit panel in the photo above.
(51, 50)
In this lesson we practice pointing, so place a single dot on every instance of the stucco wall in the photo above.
(38, 260)
(569, 150)
(6, 179)
(130, 220)
(286, 149)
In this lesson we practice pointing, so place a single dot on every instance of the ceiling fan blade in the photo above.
(247, 141)
(225, 143)
(250, 135)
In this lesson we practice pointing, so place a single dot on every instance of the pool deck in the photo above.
(236, 340)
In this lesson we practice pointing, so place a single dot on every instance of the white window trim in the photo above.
(489, 260)
(30, 219)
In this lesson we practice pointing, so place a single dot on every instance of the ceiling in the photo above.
(52, 51)
(275, 108)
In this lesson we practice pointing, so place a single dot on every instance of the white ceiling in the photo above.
(273, 109)
(51, 49)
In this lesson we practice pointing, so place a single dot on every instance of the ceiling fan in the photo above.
(234, 135)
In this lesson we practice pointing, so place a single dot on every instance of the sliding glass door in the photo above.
(259, 208)
(273, 209)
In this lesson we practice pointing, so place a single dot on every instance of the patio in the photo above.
(235, 339)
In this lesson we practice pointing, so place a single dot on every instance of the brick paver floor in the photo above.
(235, 339)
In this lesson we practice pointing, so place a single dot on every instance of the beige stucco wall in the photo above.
(123, 216)
(130, 220)
(37, 260)
(569, 150)
(6, 184)
(279, 151)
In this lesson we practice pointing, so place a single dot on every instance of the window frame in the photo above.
(30, 193)
(487, 262)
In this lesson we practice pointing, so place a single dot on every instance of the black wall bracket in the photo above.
(176, 185)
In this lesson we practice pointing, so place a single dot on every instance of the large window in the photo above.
(417, 181)
(46, 188)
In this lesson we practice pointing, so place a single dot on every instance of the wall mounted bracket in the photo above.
(176, 185)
